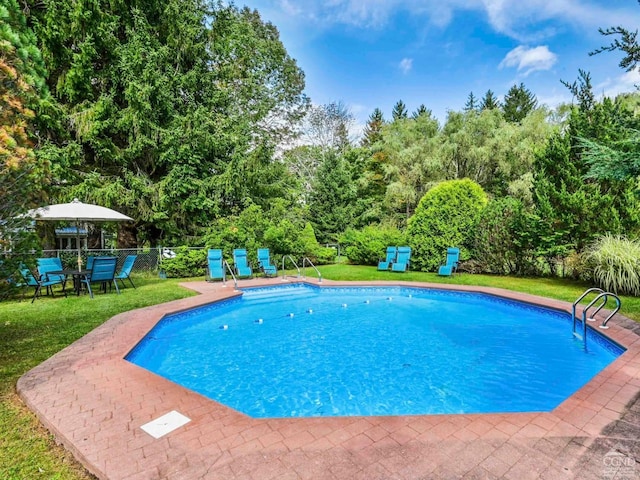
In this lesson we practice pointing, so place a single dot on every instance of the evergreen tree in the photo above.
(573, 208)
(174, 108)
(472, 103)
(421, 110)
(373, 129)
(626, 43)
(518, 102)
(489, 101)
(332, 200)
(22, 176)
(399, 111)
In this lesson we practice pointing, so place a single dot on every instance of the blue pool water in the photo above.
(304, 351)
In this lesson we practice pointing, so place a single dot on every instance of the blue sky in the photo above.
(371, 53)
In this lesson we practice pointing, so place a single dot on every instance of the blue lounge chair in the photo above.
(402, 260)
(241, 264)
(264, 260)
(215, 265)
(392, 252)
(103, 270)
(451, 265)
(125, 271)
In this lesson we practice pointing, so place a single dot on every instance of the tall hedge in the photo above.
(368, 246)
(444, 218)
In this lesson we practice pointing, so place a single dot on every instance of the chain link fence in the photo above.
(148, 259)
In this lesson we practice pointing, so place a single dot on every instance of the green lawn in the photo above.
(31, 333)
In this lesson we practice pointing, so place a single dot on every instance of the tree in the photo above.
(332, 200)
(22, 177)
(373, 128)
(421, 110)
(627, 43)
(489, 150)
(489, 101)
(328, 126)
(445, 216)
(174, 108)
(399, 110)
(472, 103)
(518, 102)
(411, 166)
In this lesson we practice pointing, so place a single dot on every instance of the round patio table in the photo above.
(78, 276)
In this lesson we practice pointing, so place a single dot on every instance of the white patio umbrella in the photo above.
(77, 212)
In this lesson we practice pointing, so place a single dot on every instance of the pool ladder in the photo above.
(603, 298)
(305, 262)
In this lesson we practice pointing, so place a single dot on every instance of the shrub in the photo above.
(502, 238)
(445, 217)
(368, 246)
(186, 263)
(287, 238)
(615, 264)
(242, 231)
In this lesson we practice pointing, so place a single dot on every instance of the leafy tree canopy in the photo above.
(174, 108)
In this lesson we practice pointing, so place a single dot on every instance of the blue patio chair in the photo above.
(215, 265)
(451, 265)
(48, 265)
(402, 260)
(30, 280)
(241, 264)
(103, 270)
(392, 252)
(264, 260)
(125, 271)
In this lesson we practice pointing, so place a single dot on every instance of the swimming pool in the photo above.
(304, 351)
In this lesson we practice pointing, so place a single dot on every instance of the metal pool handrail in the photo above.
(235, 280)
(304, 262)
(284, 273)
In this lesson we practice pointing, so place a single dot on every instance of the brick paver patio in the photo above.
(95, 402)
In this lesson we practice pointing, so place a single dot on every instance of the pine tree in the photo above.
(422, 110)
(373, 129)
(399, 111)
(518, 102)
(490, 101)
(472, 103)
(332, 200)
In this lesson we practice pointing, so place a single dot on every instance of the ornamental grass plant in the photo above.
(614, 262)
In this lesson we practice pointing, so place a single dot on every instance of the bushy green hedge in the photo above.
(253, 229)
(615, 264)
(368, 246)
(186, 263)
(445, 217)
(501, 240)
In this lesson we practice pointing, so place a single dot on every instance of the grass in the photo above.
(31, 333)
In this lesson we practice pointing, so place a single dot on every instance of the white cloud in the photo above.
(524, 20)
(405, 65)
(612, 87)
(529, 59)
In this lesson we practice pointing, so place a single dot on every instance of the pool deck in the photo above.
(94, 403)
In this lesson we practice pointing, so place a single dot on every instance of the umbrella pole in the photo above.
(79, 249)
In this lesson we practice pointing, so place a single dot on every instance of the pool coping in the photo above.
(94, 403)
